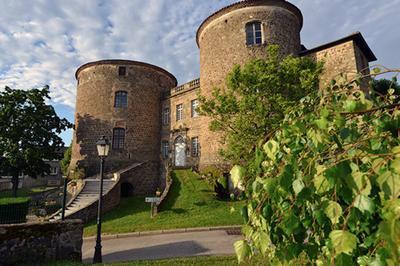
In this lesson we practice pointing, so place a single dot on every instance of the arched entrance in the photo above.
(180, 152)
(126, 190)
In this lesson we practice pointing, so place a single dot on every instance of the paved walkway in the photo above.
(163, 245)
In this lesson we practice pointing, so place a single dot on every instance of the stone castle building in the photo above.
(148, 118)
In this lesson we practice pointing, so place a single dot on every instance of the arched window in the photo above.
(121, 99)
(118, 138)
(253, 33)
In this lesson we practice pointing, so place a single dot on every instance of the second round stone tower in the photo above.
(233, 36)
(119, 99)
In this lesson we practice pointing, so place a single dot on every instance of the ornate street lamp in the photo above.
(103, 148)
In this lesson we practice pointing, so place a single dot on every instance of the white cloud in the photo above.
(45, 41)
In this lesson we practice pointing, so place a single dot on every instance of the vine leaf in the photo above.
(242, 250)
(364, 203)
(298, 186)
(237, 174)
(333, 211)
(271, 149)
(343, 241)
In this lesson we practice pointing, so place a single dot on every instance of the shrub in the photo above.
(13, 210)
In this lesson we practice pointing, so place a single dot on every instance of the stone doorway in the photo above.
(180, 152)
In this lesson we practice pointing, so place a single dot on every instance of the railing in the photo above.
(187, 86)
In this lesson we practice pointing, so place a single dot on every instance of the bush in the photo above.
(13, 210)
(215, 177)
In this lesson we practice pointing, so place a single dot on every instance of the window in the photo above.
(179, 112)
(195, 147)
(195, 105)
(118, 138)
(165, 116)
(53, 170)
(122, 71)
(253, 33)
(121, 99)
(165, 149)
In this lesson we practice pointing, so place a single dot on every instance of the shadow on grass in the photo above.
(173, 194)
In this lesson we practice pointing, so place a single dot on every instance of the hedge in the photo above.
(13, 210)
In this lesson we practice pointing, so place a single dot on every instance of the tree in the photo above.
(255, 100)
(66, 161)
(382, 86)
(28, 132)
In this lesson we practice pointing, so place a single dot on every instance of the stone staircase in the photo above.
(90, 192)
(88, 195)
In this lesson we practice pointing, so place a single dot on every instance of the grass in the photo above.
(190, 203)
(201, 260)
(6, 201)
(24, 192)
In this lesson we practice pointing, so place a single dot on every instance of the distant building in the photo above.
(52, 179)
(148, 118)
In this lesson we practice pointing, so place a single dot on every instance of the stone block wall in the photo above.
(39, 243)
(145, 179)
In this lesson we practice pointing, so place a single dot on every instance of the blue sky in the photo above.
(45, 41)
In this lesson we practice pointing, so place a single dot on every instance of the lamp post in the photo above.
(103, 148)
(64, 198)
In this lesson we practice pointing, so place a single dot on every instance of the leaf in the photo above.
(242, 250)
(322, 123)
(343, 241)
(362, 185)
(298, 186)
(262, 240)
(364, 203)
(321, 184)
(271, 149)
(333, 211)
(389, 183)
(237, 174)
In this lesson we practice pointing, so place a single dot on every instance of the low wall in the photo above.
(37, 243)
(110, 201)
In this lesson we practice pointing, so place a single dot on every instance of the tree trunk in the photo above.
(14, 181)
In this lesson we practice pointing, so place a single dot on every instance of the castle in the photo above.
(148, 118)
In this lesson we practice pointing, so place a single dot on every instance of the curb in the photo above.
(164, 232)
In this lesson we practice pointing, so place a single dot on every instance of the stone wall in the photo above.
(189, 127)
(40, 243)
(145, 179)
(345, 58)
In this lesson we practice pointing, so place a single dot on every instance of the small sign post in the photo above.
(153, 201)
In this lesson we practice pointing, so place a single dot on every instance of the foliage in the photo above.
(255, 99)
(382, 86)
(326, 185)
(13, 210)
(189, 203)
(28, 132)
(66, 161)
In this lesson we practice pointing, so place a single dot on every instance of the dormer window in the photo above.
(253, 33)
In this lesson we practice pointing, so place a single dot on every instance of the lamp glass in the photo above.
(103, 147)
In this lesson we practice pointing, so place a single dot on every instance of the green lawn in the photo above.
(24, 192)
(190, 203)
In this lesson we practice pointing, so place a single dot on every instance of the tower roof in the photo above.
(125, 63)
(248, 3)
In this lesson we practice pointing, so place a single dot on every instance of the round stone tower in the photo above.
(119, 99)
(234, 35)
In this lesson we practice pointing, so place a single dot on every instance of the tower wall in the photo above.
(222, 42)
(96, 114)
